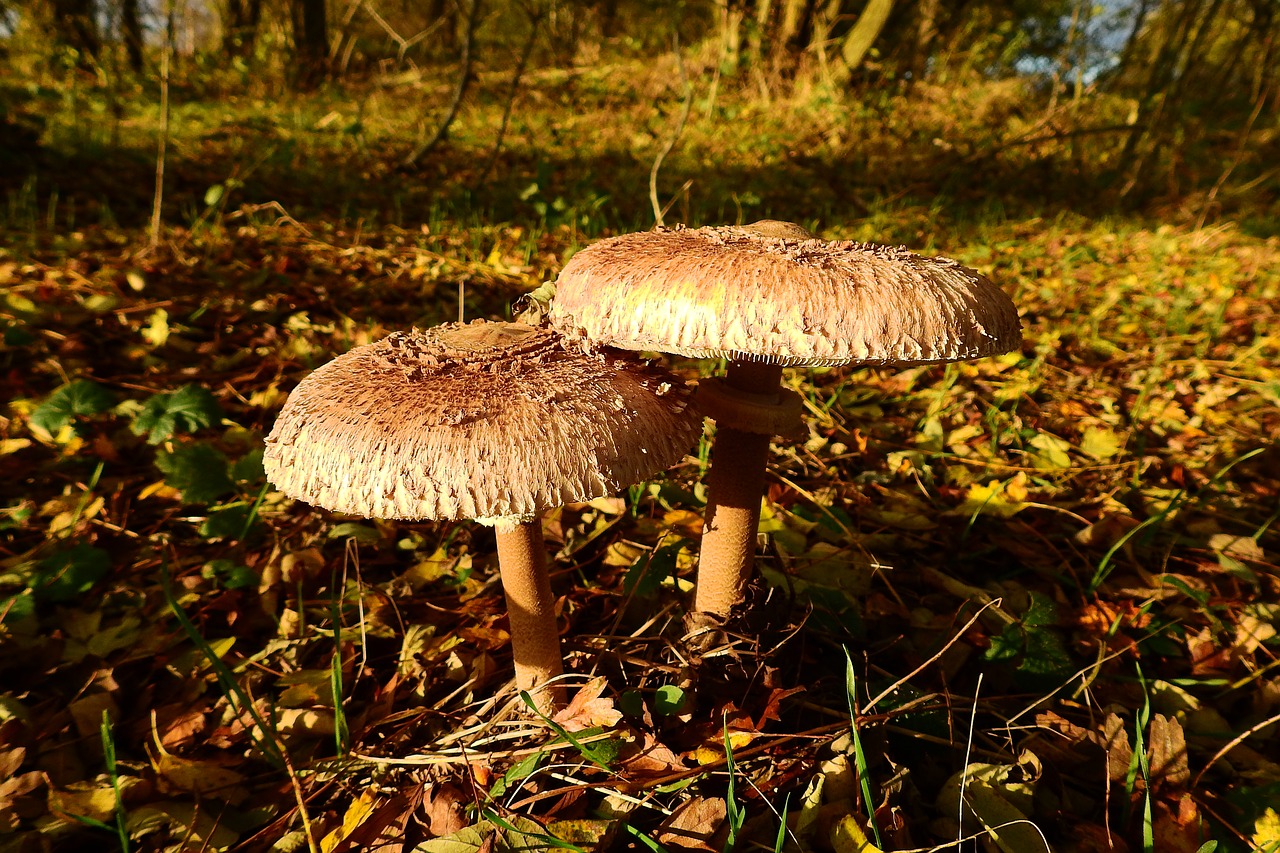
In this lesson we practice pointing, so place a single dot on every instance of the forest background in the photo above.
(1028, 603)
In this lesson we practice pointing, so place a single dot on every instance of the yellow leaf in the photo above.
(622, 553)
(1001, 500)
(1050, 451)
(157, 330)
(97, 803)
(847, 837)
(161, 488)
(609, 505)
(582, 830)
(13, 445)
(1101, 443)
(1266, 831)
(685, 522)
(357, 813)
(198, 777)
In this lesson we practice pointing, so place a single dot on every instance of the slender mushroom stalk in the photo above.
(535, 639)
(492, 421)
(735, 483)
(768, 296)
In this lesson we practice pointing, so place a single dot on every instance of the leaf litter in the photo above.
(1057, 568)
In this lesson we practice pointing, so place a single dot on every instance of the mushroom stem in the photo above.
(535, 640)
(735, 485)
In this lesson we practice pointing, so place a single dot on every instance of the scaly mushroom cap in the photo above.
(766, 292)
(485, 420)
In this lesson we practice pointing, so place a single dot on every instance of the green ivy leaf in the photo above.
(248, 468)
(229, 574)
(668, 699)
(198, 471)
(68, 574)
(646, 574)
(17, 335)
(78, 399)
(16, 608)
(1006, 645)
(362, 533)
(226, 523)
(188, 409)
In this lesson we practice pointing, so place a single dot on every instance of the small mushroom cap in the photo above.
(767, 292)
(485, 420)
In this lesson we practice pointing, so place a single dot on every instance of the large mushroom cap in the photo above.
(484, 420)
(765, 292)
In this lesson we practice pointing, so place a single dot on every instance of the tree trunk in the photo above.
(857, 43)
(311, 41)
(732, 16)
(758, 37)
(240, 20)
(925, 36)
(75, 25)
(608, 19)
(1131, 43)
(443, 10)
(131, 30)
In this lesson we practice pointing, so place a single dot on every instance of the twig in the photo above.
(163, 143)
(459, 92)
(1263, 97)
(535, 21)
(1232, 744)
(658, 209)
(889, 691)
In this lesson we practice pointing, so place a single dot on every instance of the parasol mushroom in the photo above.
(766, 296)
(492, 421)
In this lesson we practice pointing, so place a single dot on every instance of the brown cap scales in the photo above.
(765, 292)
(483, 420)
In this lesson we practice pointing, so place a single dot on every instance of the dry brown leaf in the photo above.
(652, 759)
(685, 522)
(1167, 753)
(1091, 838)
(182, 726)
(11, 760)
(87, 712)
(445, 808)
(693, 826)
(1115, 740)
(306, 722)
(1177, 826)
(770, 711)
(1251, 633)
(587, 709)
(199, 777)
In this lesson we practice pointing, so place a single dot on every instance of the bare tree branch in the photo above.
(536, 14)
(658, 210)
(459, 92)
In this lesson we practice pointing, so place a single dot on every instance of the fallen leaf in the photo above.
(1002, 500)
(198, 777)
(357, 812)
(1177, 827)
(588, 709)
(999, 798)
(693, 825)
(847, 837)
(445, 809)
(1167, 753)
(1266, 830)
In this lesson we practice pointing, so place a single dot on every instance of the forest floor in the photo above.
(1030, 597)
